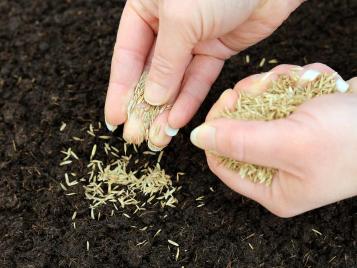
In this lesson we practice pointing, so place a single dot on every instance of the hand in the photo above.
(314, 149)
(192, 43)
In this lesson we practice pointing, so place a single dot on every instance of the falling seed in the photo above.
(74, 215)
(63, 126)
(87, 245)
(262, 62)
(247, 59)
(273, 61)
(160, 156)
(74, 225)
(173, 243)
(211, 189)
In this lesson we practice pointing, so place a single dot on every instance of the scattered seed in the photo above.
(105, 137)
(262, 62)
(273, 61)
(74, 215)
(149, 153)
(77, 139)
(67, 162)
(201, 205)
(94, 150)
(177, 253)
(63, 187)
(71, 194)
(157, 232)
(173, 243)
(250, 245)
(92, 213)
(74, 225)
(140, 243)
(63, 126)
(211, 189)
(316, 232)
(126, 215)
(87, 245)
(334, 257)
(14, 145)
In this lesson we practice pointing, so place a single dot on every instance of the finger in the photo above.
(158, 138)
(227, 101)
(252, 142)
(258, 83)
(273, 197)
(199, 77)
(252, 85)
(353, 84)
(171, 57)
(134, 40)
(135, 131)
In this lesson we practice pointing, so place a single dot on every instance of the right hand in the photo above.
(193, 39)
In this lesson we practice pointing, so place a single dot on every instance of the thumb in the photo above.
(266, 143)
(171, 57)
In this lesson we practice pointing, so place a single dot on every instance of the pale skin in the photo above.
(185, 55)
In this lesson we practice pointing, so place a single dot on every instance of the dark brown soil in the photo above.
(54, 66)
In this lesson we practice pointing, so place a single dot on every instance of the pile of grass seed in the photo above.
(114, 178)
(282, 98)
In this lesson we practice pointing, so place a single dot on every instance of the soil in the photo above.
(54, 66)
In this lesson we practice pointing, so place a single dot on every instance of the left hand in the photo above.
(314, 149)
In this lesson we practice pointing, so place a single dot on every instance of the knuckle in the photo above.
(235, 143)
(161, 67)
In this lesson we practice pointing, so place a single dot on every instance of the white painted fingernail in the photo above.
(171, 131)
(310, 75)
(342, 86)
(110, 127)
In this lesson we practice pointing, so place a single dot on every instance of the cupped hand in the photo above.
(314, 149)
(188, 42)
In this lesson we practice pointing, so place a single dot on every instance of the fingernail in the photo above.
(310, 75)
(204, 137)
(110, 127)
(342, 86)
(172, 132)
(155, 94)
(153, 147)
